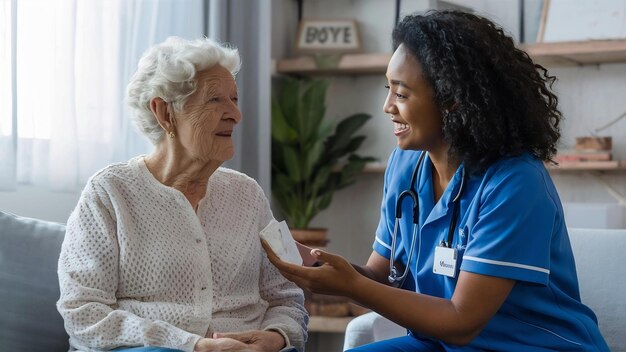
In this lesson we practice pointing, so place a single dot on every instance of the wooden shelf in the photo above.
(564, 53)
(576, 168)
(328, 324)
(578, 53)
(349, 64)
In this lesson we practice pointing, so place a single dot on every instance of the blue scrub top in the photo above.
(510, 225)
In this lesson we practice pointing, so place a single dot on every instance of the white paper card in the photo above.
(445, 261)
(277, 235)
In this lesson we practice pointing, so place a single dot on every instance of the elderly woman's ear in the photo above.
(160, 109)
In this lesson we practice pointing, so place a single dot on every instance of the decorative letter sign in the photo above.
(335, 36)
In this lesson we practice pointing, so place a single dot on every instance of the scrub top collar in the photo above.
(429, 211)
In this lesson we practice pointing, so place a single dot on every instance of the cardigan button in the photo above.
(198, 240)
(203, 288)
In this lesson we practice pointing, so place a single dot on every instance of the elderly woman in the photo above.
(164, 250)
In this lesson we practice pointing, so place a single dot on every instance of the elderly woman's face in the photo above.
(206, 123)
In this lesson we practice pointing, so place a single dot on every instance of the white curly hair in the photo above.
(167, 70)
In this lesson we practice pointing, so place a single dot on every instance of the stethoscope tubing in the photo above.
(412, 193)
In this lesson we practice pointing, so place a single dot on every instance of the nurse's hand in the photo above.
(336, 276)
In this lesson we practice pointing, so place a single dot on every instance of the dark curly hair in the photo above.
(499, 103)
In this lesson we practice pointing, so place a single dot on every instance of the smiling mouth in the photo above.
(399, 128)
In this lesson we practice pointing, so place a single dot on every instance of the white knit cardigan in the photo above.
(139, 267)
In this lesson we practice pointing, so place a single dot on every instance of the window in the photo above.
(65, 112)
(6, 95)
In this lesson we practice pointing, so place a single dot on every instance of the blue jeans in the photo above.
(163, 349)
(399, 344)
(146, 349)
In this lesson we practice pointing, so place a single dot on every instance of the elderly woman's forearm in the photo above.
(89, 322)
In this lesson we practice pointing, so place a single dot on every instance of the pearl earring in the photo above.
(171, 134)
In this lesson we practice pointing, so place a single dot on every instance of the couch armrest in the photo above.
(370, 327)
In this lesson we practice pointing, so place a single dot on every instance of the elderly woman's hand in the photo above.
(256, 340)
(335, 277)
(222, 345)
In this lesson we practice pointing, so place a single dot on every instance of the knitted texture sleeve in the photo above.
(88, 276)
(286, 313)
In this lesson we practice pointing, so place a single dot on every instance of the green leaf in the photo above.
(351, 124)
(345, 129)
(324, 201)
(313, 108)
(350, 146)
(324, 131)
(290, 102)
(281, 131)
(313, 158)
(292, 163)
(320, 180)
(282, 184)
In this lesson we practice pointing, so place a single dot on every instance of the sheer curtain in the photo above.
(64, 65)
(248, 25)
(7, 133)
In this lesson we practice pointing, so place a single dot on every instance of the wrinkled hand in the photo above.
(335, 277)
(257, 340)
(222, 345)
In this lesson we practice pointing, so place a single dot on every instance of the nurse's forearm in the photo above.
(369, 273)
(377, 268)
(456, 321)
(432, 316)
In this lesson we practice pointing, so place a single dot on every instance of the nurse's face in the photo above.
(411, 105)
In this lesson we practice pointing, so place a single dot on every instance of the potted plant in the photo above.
(311, 157)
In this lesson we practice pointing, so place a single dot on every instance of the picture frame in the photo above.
(328, 36)
(582, 20)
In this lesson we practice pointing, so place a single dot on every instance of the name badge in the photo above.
(445, 261)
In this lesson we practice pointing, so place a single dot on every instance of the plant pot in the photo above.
(311, 237)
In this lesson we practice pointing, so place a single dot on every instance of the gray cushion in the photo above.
(29, 287)
(601, 276)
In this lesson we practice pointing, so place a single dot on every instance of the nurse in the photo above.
(481, 250)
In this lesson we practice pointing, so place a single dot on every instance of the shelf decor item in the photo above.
(594, 143)
(327, 40)
(328, 36)
(589, 153)
(311, 158)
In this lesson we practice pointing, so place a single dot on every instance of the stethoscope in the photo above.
(412, 193)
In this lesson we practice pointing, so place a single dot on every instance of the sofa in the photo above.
(602, 280)
(29, 288)
(29, 250)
